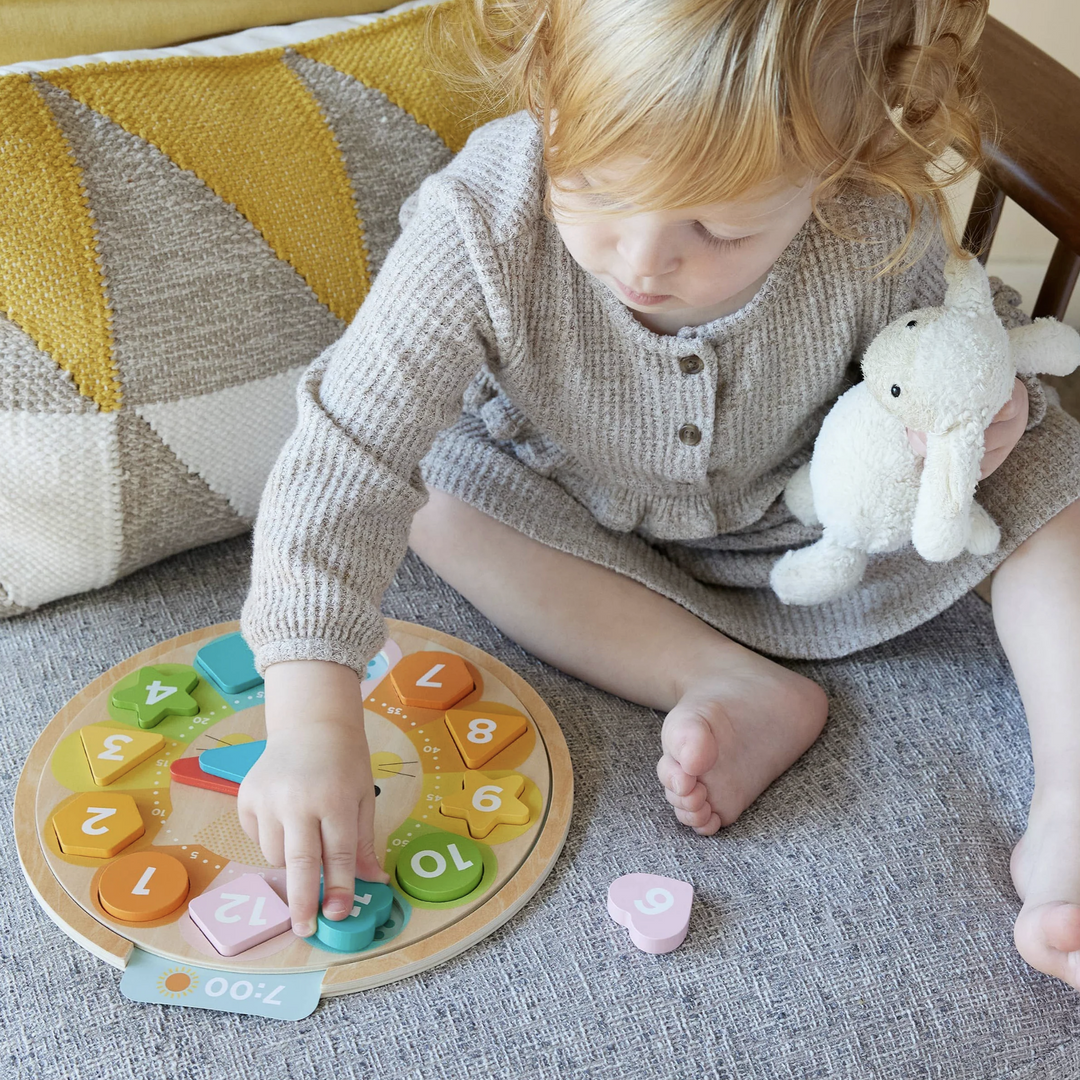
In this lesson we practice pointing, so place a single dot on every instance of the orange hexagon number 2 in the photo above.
(431, 680)
(97, 825)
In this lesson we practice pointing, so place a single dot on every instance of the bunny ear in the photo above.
(968, 286)
(940, 528)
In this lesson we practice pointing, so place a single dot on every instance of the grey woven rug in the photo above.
(855, 923)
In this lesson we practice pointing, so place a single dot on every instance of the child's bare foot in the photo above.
(1046, 873)
(732, 733)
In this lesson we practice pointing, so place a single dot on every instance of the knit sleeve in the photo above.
(335, 514)
(923, 285)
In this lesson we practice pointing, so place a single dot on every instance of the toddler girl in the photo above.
(605, 339)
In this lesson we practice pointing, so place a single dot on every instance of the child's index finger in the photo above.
(339, 839)
(303, 859)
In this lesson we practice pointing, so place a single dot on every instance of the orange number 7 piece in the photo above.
(431, 680)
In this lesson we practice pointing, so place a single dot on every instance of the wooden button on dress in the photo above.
(691, 365)
(690, 434)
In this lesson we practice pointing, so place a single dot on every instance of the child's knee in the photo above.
(436, 526)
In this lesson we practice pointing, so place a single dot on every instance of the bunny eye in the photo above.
(914, 322)
(895, 390)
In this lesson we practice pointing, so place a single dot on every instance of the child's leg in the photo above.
(1036, 596)
(735, 720)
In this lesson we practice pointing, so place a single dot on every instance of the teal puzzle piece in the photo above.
(231, 762)
(229, 664)
(372, 902)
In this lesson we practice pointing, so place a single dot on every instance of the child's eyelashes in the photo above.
(719, 241)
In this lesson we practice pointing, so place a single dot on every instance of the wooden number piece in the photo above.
(240, 914)
(98, 825)
(157, 694)
(186, 770)
(231, 762)
(655, 909)
(372, 902)
(431, 680)
(485, 802)
(112, 751)
(439, 866)
(144, 886)
(229, 664)
(481, 735)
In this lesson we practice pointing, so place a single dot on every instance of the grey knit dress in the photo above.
(486, 363)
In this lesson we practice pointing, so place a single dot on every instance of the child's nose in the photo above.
(647, 250)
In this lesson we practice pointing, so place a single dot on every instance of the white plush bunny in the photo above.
(946, 371)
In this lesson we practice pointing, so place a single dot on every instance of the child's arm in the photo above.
(333, 526)
(309, 799)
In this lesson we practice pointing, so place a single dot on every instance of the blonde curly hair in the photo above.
(718, 97)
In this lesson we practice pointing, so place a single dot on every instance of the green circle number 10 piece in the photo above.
(438, 867)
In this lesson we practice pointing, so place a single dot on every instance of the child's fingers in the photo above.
(249, 820)
(368, 867)
(303, 859)
(917, 442)
(991, 461)
(272, 840)
(339, 865)
(1015, 405)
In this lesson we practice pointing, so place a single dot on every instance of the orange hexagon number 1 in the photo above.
(431, 680)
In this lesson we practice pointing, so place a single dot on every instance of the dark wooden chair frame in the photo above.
(1032, 151)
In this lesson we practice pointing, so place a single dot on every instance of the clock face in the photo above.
(120, 807)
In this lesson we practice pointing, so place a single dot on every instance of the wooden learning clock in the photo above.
(127, 829)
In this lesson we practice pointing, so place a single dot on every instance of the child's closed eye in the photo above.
(719, 241)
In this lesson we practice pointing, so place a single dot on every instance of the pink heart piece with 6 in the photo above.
(655, 909)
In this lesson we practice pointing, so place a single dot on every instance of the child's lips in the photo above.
(644, 299)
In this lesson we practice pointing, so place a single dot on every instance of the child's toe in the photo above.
(1048, 938)
(674, 778)
(694, 801)
(696, 819)
(1061, 924)
(688, 739)
(711, 826)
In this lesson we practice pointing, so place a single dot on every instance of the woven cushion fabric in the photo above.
(33, 30)
(179, 237)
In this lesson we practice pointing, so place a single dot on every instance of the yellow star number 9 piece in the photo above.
(485, 802)
(481, 735)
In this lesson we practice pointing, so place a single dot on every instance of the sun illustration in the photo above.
(177, 982)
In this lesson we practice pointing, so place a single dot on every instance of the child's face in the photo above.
(685, 267)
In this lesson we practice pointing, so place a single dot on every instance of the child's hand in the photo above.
(1001, 436)
(309, 800)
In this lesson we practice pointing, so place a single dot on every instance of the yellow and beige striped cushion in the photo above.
(179, 237)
